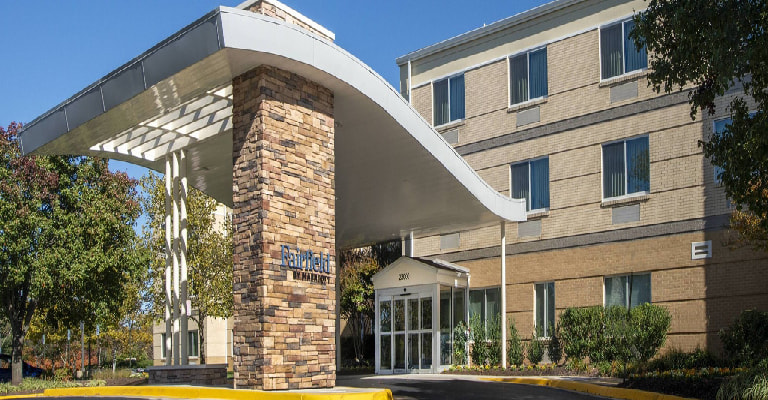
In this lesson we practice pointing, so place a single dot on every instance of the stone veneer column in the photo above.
(283, 194)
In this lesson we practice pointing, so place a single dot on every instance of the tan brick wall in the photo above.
(702, 296)
(283, 157)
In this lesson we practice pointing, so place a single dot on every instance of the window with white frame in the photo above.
(485, 302)
(530, 181)
(618, 54)
(623, 290)
(544, 308)
(528, 76)
(193, 344)
(626, 167)
(162, 345)
(448, 100)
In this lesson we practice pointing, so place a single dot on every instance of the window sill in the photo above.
(619, 79)
(450, 125)
(630, 199)
(525, 105)
(537, 214)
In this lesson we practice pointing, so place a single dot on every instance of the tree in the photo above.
(209, 254)
(356, 304)
(692, 43)
(66, 237)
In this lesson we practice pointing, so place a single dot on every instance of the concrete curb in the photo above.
(591, 388)
(193, 392)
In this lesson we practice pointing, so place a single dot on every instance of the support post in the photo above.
(503, 295)
(176, 277)
(183, 256)
(168, 262)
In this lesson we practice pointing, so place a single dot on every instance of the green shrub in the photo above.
(579, 328)
(493, 327)
(62, 374)
(749, 385)
(613, 333)
(555, 346)
(535, 349)
(460, 338)
(746, 340)
(479, 354)
(650, 325)
(676, 359)
(514, 346)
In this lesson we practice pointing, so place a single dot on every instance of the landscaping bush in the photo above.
(650, 325)
(579, 328)
(493, 327)
(613, 333)
(514, 346)
(676, 359)
(749, 385)
(555, 346)
(460, 338)
(535, 349)
(746, 340)
(479, 354)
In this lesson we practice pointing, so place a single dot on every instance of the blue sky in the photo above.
(54, 48)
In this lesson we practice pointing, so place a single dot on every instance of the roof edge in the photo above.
(486, 30)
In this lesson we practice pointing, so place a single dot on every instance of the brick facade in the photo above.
(579, 242)
(283, 194)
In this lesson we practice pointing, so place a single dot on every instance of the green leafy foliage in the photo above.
(515, 353)
(460, 339)
(676, 359)
(493, 337)
(746, 340)
(749, 385)
(614, 333)
(68, 245)
(690, 43)
(555, 345)
(209, 253)
(535, 349)
(356, 268)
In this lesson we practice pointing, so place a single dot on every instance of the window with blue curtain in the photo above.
(448, 100)
(626, 167)
(530, 181)
(618, 54)
(528, 76)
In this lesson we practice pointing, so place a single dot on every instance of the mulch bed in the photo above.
(700, 388)
(557, 371)
(126, 381)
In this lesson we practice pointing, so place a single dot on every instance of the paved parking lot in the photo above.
(444, 387)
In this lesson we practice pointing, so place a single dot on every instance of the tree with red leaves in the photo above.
(67, 240)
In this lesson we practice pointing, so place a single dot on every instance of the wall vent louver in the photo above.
(701, 250)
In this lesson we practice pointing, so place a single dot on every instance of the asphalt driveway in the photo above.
(449, 387)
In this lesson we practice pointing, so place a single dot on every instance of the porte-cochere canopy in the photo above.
(394, 172)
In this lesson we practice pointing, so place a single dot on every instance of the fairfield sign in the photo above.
(306, 265)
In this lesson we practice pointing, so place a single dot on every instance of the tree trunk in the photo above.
(17, 345)
(201, 336)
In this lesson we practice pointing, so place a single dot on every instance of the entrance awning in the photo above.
(394, 172)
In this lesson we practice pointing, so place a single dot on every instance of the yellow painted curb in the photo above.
(591, 388)
(191, 392)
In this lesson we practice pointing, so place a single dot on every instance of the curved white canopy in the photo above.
(394, 172)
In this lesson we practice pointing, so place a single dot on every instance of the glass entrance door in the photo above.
(406, 339)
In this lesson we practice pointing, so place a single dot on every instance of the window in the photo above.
(545, 308)
(162, 345)
(530, 181)
(486, 303)
(528, 76)
(448, 96)
(626, 167)
(719, 129)
(193, 344)
(627, 289)
(618, 55)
